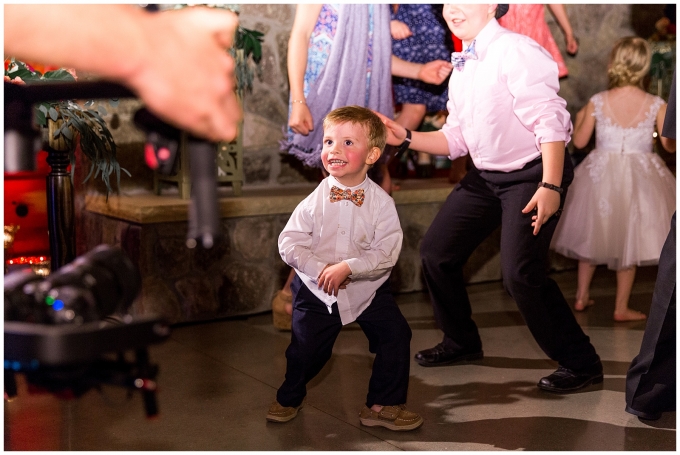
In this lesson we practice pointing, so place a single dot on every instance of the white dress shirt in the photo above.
(367, 238)
(503, 105)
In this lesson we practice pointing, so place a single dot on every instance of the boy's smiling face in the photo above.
(346, 154)
(467, 20)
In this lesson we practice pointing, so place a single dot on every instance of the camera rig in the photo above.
(70, 332)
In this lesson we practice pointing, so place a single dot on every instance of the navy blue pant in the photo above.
(314, 331)
(481, 202)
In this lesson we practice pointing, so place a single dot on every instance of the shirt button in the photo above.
(342, 232)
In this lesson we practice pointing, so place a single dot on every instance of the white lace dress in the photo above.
(619, 206)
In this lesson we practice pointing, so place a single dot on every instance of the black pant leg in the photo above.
(389, 338)
(468, 216)
(314, 331)
(524, 262)
(651, 378)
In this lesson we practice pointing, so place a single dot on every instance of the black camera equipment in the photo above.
(69, 332)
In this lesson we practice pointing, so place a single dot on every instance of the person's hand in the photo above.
(399, 30)
(396, 134)
(301, 121)
(572, 44)
(184, 73)
(435, 72)
(333, 277)
(546, 202)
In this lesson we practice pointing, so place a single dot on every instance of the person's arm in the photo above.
(667, 143)
(434, 72)
(547, 201)
(300, 120)
(176, 61)
(433, 142)
(562, 18)
(585, 125)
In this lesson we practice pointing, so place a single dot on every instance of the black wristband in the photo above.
(550, 186)
(404, 145)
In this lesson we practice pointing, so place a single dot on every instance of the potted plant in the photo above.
(70, 125)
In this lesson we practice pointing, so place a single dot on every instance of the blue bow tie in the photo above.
(458, 58)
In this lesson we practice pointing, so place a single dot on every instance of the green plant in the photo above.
(250, 43)
(81, 125)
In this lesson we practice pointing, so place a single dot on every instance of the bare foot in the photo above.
(629, 315)
(580, 306)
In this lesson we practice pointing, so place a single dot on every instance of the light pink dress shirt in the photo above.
(503, 105)
(367, 238)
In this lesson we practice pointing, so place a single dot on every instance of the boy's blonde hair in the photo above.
(375, 129)
(629, 62)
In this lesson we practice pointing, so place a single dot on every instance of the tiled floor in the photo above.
(218, 379)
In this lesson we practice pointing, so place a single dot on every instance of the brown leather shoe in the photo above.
(278, 413)
(282, 320)
(395, 418)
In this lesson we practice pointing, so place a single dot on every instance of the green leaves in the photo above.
(251, 43)
(82, 126)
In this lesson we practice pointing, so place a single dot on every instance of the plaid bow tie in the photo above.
(458, 58)
(357, 197)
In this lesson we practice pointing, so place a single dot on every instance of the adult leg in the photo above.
(314, 331)
(624, 285)
(586, 270)
(469, 214)
(651, 378)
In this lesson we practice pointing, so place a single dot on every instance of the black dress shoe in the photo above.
(439, 356)
(565, 380)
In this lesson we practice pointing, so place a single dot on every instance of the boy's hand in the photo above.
(399, 30)
(546, 202)
(334, 277)
(396, 134)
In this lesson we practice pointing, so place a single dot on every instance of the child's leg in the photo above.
(389, 338)
(624, 285)
(524, 262)
(468, 216)
(585, 276)
(314, 331)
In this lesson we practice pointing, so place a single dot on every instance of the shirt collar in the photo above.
(483, 38)
(333, 182)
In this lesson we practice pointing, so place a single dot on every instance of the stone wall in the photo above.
(241, 273)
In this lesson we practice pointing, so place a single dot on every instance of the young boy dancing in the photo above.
(505, 112)
(343, 240)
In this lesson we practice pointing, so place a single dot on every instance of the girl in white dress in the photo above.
(620, 204)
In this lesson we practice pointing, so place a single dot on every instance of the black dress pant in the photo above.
(650, 382)
(314, 331)
(475, 208)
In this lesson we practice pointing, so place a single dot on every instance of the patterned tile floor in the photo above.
(217, 380)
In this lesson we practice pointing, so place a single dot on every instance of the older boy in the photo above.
(505, 112)
(343, 240)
